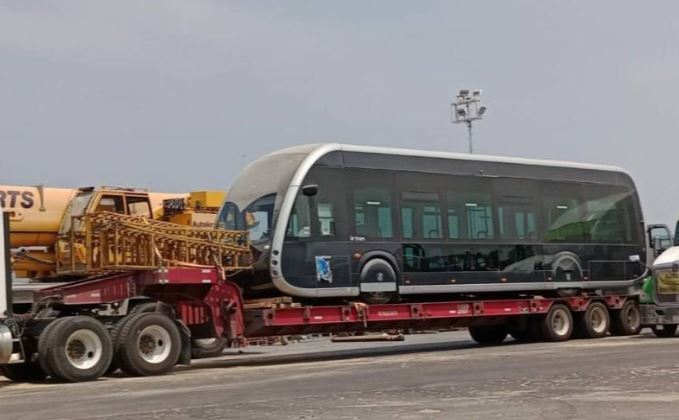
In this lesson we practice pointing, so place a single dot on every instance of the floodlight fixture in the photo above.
(468, 108)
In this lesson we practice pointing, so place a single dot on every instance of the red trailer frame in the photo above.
(213, 307)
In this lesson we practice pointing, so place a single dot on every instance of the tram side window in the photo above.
(562, 211)
(299, 224)
(372, 212)
(470, 215)
(421, 215)
(610, 215)
(326, 219)
(516, 218)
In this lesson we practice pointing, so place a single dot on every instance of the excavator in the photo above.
(41, 218)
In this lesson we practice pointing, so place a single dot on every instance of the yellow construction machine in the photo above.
(70, 231)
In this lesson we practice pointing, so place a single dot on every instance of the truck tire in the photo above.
(77, 349)
(23, 372)
(115, 332)
(42, 346)
(557, 325)
(594, 322)
(627, 320)
(148, 344)
(488, 335)
(662, 331)
(202, 348)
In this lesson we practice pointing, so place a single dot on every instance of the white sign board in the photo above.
(4, 281)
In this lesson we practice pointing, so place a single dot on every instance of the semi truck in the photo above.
(145, 317)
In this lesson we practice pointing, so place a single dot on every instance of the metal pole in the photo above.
(471, 145)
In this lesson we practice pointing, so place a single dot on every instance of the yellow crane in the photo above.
(45, 221)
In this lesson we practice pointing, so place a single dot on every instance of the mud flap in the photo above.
(185, 353)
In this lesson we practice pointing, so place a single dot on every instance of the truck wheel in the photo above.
(42, 346)
(594, 322)
(627, 320)
(77, 349)
(488, 335)
(23, 372)
(557, 325)
(148, 344)
(115, 331)
(202, 348)
(663, 331)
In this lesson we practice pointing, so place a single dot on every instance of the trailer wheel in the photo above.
(594, 322)
(148, 344)
(664, 331)
(202, 348)
(557, 325)
(23, 372)
(488, 335)
(77, 349)
(627, 320)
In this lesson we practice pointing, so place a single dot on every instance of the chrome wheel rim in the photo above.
(83, 349)
(598, 320)
(560, 322)
(154, 344)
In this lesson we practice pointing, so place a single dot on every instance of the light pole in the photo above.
(467, 108)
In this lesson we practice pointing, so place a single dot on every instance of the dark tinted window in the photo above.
(421, 215)
(373, 212)
(470, 215)
(321, 216)
(610, 214)
(563, 209)
(299, 223)
(516, 209)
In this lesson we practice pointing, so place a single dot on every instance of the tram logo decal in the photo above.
(323, 270)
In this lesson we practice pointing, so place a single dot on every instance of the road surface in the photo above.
(429, 376)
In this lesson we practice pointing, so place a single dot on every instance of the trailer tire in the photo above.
(148, 344)
(77, 349)
(557, 325)
(626, 320)
(23, 372)
(594, 322)
(203, 348)
(488, 335)
(668, 330)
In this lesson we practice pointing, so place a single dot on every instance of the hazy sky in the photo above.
(180, 95)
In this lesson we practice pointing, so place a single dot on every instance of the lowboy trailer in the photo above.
(147, 321)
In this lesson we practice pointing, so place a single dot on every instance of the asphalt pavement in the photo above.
(426, 376)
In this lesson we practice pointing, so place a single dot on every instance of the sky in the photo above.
(181, 95)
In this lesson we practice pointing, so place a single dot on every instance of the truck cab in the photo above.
(659, 239)
(126, 201)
